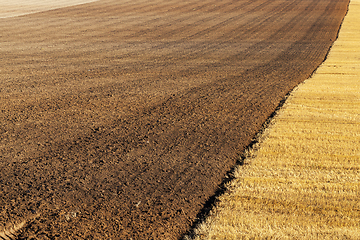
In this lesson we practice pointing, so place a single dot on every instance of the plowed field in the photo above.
(119, 119)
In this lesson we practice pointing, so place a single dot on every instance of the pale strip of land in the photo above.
(302, 181)
(13, 8)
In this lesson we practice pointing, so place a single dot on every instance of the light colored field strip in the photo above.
(302, 181)
(12, 8)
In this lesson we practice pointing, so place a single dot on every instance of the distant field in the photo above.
(12, 8)
(302, 181)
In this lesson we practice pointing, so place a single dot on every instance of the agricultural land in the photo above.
(120, 118)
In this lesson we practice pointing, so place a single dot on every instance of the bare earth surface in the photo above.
(119, 119)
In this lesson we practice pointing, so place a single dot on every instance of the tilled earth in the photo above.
(119, 119)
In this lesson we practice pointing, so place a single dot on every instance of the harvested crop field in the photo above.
(119, 119)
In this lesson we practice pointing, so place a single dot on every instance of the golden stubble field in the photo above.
(302, 180)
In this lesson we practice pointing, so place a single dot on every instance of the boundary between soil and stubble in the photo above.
(288, 181)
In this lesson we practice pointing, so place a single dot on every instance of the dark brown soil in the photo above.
(119, 119)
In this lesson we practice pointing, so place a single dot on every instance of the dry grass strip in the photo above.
(302, 180)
